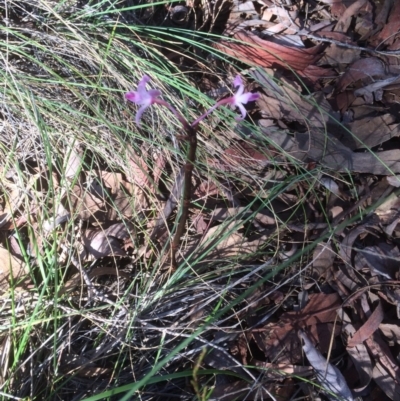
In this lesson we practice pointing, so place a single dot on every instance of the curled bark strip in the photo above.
(264, 53)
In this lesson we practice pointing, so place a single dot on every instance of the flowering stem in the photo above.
(191, 138)
(178, 115)
(145, 98)
(196, 122)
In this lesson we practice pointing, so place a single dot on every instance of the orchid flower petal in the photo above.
(154, 93)
(140, 113)
(246, 97)
(237, 81)
(243, 111)
(240, 98)
(131, 96)
(142, 97)
(142, 83)
(145, 98)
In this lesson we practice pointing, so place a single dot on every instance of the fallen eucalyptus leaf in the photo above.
(328, 375)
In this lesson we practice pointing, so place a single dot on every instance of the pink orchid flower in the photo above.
(145, 98)
(238, 100)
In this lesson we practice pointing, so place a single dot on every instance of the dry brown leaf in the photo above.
(224, 213)
(199, 223)
(338, 7)
(240, 390)
(323, 148)
(369, 132)
(391, 331)
(386, 369)
(337, 36)
(336, 55)
(374, 91)
(327, 374)
(226, 242)
(74, 364)
(358, 354)
(159, 167)
(346, 247)
(207, 188)
(244, 155)
(89, 206)
(111, 180)
(386, 382)
(366, 68)
(285, 20)
(381, 259)
(279, 341)
(394, 180)
(105, 242)
(321, 308)
(159, 226)
(62, 215)
(73, 164)
(302, 371)
(122, 205)
(314, 111)
(368, 328)
(388, 34)
(13, 200)
(10, 266)
(364, 24)
(286, 103)
(76, 280)
(346, 17)
(323, 258)
(138, 173)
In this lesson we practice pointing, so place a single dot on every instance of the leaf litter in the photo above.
(328, 75)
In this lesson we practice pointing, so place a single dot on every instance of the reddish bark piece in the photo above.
(368, 328)
(263, 53)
